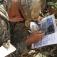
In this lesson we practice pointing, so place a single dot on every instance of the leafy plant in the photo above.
(53, 5)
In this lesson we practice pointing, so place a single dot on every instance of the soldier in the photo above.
(4, 26)
(16, 24)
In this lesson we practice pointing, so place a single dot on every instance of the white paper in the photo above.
(4, 51)
(47, 40)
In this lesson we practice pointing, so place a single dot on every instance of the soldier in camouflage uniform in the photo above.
(17, 27)
(4, 25)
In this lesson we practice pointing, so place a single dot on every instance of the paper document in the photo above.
(4, 52)
(48, 24)
(49, 27)
(47, 40)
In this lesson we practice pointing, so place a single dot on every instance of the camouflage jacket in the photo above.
(4, 26)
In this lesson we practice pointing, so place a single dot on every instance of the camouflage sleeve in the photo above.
(4, 32)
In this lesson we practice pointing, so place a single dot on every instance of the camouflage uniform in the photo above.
(4, 26)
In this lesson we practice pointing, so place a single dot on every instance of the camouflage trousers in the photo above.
(48, 51)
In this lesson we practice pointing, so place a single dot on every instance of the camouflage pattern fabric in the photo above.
(4, 26)
(4, 33)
